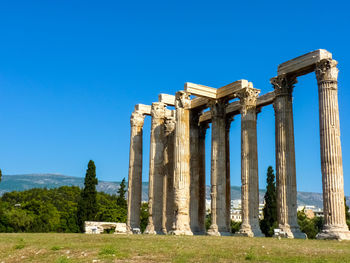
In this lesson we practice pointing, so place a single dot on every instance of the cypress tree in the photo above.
(121, 201)
(269, 222)
(0, 175)
(347, 214)
(87, 206)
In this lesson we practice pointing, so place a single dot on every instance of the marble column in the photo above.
(168, 182)
(202, 186)
(182, 165)
(249, 163)
(135, 171)
(331, 156)
(194, 171)
(218, 169)
(285, 158)
(228, 174)
(156, 170)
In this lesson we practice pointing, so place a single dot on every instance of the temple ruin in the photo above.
(177, 154)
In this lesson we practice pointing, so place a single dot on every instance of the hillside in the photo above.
(27, 181)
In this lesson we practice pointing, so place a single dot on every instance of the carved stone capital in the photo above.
(158, 110)
(203, 129)
(248, 96)
(283, 84)
(217, 108)
(182, 100)
(326, 70)
(137, 119)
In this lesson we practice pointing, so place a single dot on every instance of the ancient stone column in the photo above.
(194, 171)
(156, 170)
(228, 174)
(182, 165)
(249, 163)
(168, 182)
(331, 156)
(135, 171)
(202, 186)
(285, 158)
(218, 170)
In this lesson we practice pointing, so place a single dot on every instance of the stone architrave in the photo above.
(156, 170)
(168, 182)
(331, 156)
(218, 169)
(285, 157)
(135, 171)
(182, 165)
(249, 163)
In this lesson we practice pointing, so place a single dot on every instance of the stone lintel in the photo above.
(143, 109)
(235, 107)
(303, 64)
(230, 89)
(200, 90)
(199, 102)
(169, 113)
(167, 99)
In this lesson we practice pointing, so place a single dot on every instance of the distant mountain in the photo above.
(27, 181)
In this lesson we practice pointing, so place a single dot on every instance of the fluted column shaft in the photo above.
(331, 156)
(168, 182)
(201, 183)
(228, 174)
(182, 165)
(194, 170)
(285, 157)
(156, 170)
(249, 163)
(218, 170)
(135, 171)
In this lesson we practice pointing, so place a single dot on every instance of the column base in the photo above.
(287, 231)
(249, 232)
(215, 231)
(150, 230)
(179, 232)
(334, 232)
(133, 231)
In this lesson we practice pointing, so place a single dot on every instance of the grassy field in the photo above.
(64, 248)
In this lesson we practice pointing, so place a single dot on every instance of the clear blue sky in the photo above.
(72, 71)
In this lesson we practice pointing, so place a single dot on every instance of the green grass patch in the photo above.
(55, 248)
(63, 260)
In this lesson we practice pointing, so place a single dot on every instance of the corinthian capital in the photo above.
(217, 108)
(182, 100)
(137, 119)
(248, 96)
(169, 124)
(283, 84)
(326, 70)
(158, 110)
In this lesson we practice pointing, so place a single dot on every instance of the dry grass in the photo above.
(66, 248)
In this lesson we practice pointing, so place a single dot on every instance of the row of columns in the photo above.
(177, 164)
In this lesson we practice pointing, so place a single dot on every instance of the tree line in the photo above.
(65, 209)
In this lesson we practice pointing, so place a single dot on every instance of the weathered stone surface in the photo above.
(168, 182)
(92, 227)
(167, 99)
(182, 165)
(218, 170)
(249, 163)
(156, 170)
(143, 109)
(285, 158)
(200, 90)
(331, 155)
(135, 170)
(303, 64)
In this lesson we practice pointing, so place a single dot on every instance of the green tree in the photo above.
(144, 216)
(269, 222)
(121, 201)
(0, 175)
(347, 214)
(235, 226)
(87, 206)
